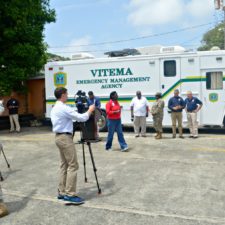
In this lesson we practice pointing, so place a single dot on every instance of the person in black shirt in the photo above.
(13, 107)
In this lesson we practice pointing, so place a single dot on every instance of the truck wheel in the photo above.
(102, 124)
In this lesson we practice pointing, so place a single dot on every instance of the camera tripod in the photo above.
(1, 150)
(88, 142)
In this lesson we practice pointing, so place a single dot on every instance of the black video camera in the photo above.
(89, 128)
(81, 101)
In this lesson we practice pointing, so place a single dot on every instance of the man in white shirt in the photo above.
(62, 117)
(139, 112)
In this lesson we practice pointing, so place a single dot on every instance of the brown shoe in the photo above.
(3, 210)
(159, 136)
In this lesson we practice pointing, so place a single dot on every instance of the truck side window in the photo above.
(214, 80)
(170, 68)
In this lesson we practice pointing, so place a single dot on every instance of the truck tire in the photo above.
(103, 124)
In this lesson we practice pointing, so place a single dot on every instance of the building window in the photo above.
(170, 68)
(214, 80)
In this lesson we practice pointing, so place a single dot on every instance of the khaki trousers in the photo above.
(157, 122)
(14, 118)
(69, 165)
(192, 123)
(140, 122)
(177, 117)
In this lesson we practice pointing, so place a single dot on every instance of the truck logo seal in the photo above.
(213, 97)
(60, 79)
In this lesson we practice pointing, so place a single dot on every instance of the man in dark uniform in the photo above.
(13, 106)
(176, 104)
(193, 105)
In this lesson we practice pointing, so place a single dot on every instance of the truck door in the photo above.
(169, 80)
(213, 94)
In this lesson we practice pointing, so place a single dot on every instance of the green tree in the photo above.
(214, 37)
(22, 47)
(55, 57)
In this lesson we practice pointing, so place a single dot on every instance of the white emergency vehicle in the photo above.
(169, 68)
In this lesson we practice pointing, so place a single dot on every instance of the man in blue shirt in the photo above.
(193, 105)
(176, 104)
(93, 100)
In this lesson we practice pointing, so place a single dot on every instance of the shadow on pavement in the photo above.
(16, 206)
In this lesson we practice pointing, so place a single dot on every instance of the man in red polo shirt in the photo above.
(113, 111)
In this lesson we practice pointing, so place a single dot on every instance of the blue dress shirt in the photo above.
(176, 101)
(192, 104)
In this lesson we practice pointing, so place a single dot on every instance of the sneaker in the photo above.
(182, 137)
(108, 149)
(74, 199)
(195, 137)
(137, 135)
(60, 197)
(3, 210)
(191, 136)
(124, 149)
(174, 136)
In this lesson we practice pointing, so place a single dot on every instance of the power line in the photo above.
(134, 39)
(190, 40)
(93, 51)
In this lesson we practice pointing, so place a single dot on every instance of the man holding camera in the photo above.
(62, 117)
(93, 100)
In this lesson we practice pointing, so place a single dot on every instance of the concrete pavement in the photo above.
(168, 181)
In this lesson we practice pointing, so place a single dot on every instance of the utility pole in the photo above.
(220, 5)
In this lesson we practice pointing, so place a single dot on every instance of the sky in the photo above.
(83, 25)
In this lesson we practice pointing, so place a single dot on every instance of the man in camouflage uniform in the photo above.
(157, 113)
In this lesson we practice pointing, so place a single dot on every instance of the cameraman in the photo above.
(93, 100)
(62, 117)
